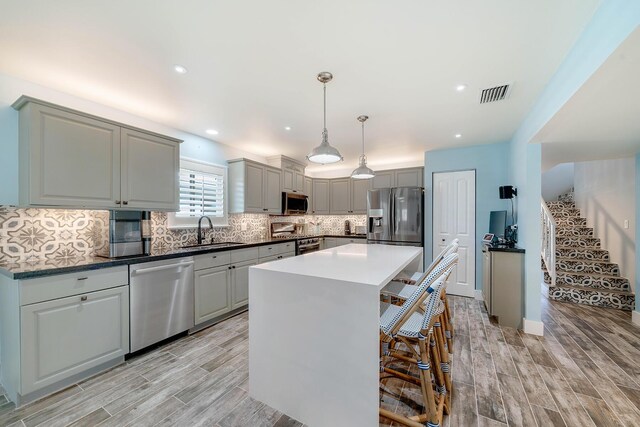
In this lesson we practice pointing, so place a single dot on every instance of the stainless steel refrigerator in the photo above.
(395, 216)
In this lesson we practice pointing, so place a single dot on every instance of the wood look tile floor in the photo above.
(198, 380)
(585, 371)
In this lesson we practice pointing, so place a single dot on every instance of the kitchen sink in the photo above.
(213, 245)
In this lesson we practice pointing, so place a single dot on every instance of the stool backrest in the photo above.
(434, 299)
(448, 250)
(420, 294)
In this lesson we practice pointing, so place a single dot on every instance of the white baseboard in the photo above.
(480, 296)
(533, 327)
(635, 318)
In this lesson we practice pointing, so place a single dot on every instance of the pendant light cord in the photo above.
(363, 138)
(324, 89)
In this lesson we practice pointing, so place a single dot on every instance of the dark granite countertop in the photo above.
(54, 265)
(504, 248)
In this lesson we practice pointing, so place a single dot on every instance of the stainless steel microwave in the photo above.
(294, 203)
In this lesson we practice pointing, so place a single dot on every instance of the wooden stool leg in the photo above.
(449, 324)
(443, 355)
(424, 366)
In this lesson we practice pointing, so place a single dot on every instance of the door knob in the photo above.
(443, 240)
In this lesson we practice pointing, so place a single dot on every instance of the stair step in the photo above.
(574, 231)
(560, 204)
(595, 297)
(594, 281)
(565, 213)
(571, 221)
(578, 241)
(582, 253)
(587, 267)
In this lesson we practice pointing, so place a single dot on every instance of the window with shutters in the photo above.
(203, 192)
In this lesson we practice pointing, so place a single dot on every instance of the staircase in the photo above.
(584, 271)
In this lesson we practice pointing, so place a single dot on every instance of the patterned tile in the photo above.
(64, 234)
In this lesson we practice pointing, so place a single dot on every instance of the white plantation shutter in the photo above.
(202, 192)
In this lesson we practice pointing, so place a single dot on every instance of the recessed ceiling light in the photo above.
(461, 87)
(212, 131)
(458, 135)
(287, 128)
(180, 69)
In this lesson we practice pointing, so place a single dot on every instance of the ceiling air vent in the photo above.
(496, 93)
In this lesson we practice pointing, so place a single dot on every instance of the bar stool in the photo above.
(401, 291)
(419, 333)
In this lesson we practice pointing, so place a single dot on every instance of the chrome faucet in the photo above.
(200, 227)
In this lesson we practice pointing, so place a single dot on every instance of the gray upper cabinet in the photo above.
(409, 177)
(308, 190)
(321, 196)
(359, 190)
(149, 171)
(383, 179)
(292, 173)
(72, 159)
(254, 187)
(340, 196)
(273, 194)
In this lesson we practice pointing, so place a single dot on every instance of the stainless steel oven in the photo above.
(307, 245)
(294, 203)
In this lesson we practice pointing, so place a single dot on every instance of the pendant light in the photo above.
(324, 153)
(363, 171)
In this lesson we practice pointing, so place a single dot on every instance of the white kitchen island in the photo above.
(314, 331)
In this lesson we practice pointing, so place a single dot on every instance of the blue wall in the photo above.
(490, 164)
(611, 24)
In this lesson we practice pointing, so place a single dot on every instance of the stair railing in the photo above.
(548, 250)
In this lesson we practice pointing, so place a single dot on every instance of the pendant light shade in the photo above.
(362, 171)
(324, 153)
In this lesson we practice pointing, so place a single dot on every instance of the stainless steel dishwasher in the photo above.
(161, 300)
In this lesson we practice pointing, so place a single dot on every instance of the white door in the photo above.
(454, 216)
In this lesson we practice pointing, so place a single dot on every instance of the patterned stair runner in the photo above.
(584, 271)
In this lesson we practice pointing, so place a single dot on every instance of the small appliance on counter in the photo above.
(347, 227)
(129, 234)
(360, 229)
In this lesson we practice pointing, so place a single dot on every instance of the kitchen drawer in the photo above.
(241, 255)
(215, 259)
(286, 248)
(65, 285)
(278, 248)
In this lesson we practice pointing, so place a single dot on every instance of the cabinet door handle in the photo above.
(117, 202)
(83, 298)
(125, 202)
(233, 267)
(82, 278)
(265, 209)
(215, 256)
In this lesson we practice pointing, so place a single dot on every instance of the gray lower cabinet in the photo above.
(59, 330)
(239, 283)
(347, 240)
(222, 279)
(503, 285)
(212, 298)
(64, 337)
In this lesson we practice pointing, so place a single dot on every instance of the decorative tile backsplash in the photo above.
(35, 234)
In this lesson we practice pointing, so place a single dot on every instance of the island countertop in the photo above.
(314, 331)
(373, 265)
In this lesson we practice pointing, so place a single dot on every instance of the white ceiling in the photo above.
(602, 119)
(252, 66)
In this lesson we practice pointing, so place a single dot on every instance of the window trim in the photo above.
(175, 222)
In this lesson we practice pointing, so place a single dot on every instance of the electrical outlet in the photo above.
(626, 223)
(243, 226)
